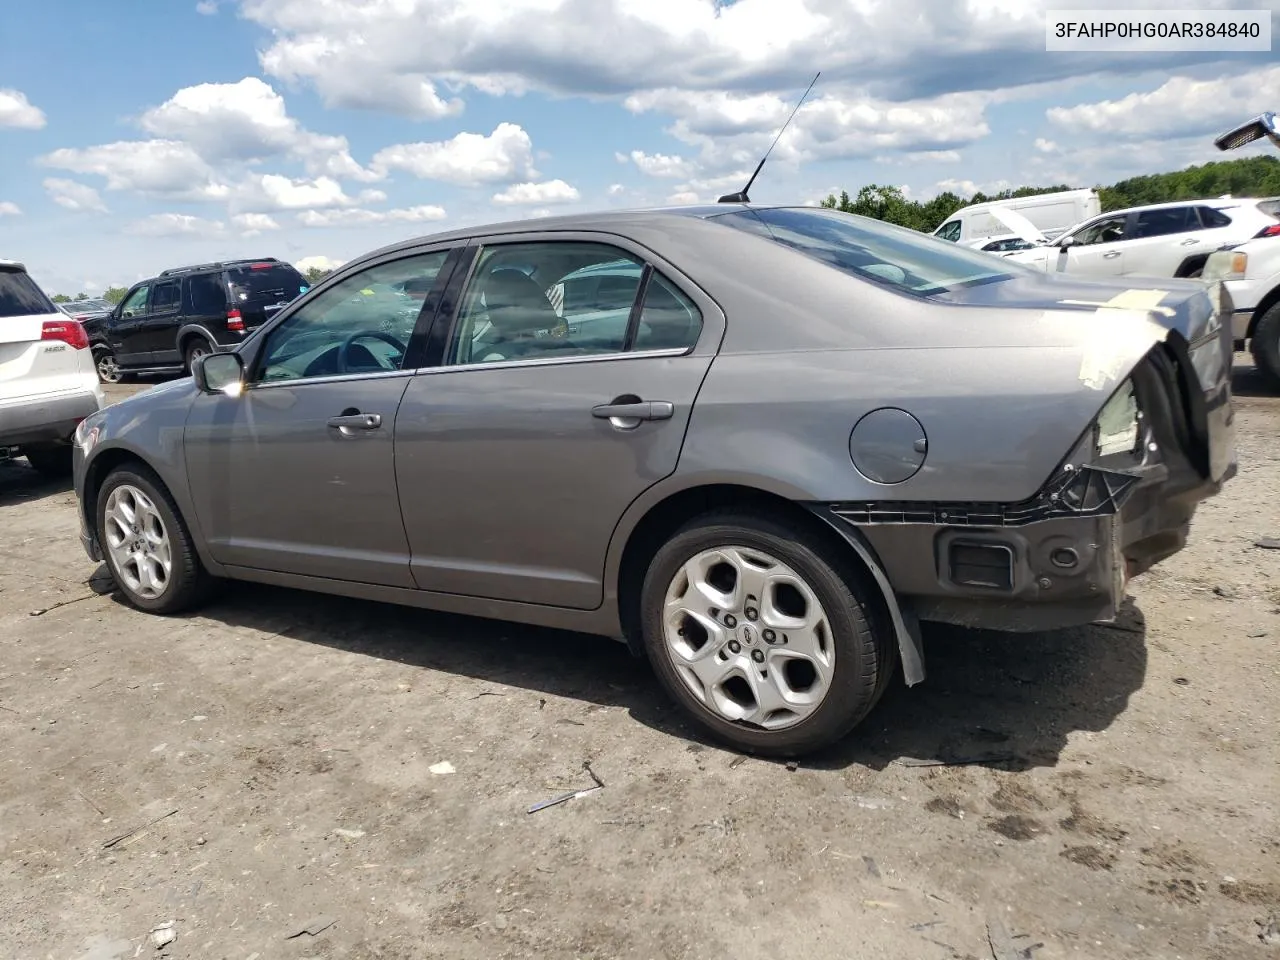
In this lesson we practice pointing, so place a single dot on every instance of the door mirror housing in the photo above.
(1065, 242)
(219, 373)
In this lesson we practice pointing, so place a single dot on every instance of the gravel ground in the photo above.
(285, 761)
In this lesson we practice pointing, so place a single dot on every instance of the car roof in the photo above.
(1218, 203)
(12, 265)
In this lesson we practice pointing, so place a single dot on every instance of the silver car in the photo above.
(760, 446)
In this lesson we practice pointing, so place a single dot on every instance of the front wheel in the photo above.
(147, 545)
(762, 636)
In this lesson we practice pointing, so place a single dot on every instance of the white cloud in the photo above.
(1045, 146)
(358, 216)
(253, 224)
(17, 111)
(248, 121)
(175, 225)
(288, 193)
(1181, 106)
(166, 167)
(9, 209)
(661, 164)
(318, 261)
(467, 159)
(551, 191)
(683, 197)
(615, 189)
(207, 7)
(74, 195)
(967, 188)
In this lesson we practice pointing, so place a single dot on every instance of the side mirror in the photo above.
(1067, 242)
(219, 373)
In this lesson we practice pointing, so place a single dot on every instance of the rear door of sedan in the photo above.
(547, 408)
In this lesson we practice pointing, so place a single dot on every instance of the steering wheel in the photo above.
(362, 335)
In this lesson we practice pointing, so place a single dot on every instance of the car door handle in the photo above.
(640, 410)
(1111, 255)
(356, 421)
(1190, 242)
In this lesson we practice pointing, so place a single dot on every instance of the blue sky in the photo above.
(170, 131)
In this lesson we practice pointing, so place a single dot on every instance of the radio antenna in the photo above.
(741, 196)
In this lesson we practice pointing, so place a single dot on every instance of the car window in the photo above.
(1162, 223)
(20, 296)
(893, 256)
(165, 297)
(135, 305)
(1106, 230)
(266, 282)
(1216, 219)
(206, 294)
(559, 298)
(361, 325)
(950, 232)
(668, 319)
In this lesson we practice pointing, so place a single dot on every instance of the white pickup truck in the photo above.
(48, 382)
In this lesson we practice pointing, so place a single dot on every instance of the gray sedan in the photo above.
(758, 444)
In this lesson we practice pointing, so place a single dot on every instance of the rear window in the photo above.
(20, 297)
(265, 283)
(1270, 207)
(906, 260)
(1214, 219)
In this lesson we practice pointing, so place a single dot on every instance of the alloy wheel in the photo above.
(108, 367)
(748, 637)
(138, 542)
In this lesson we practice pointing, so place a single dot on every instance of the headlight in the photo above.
(1226, 265)
(85, 436)
(1117, 426)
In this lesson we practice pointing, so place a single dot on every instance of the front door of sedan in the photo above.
(296, 474)
(1097, 249)
(125, 330)
(548, 413)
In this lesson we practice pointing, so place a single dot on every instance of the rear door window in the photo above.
(164, 298)
(20, 297)
(1216, 219)
(1163, 223)
(265, 283)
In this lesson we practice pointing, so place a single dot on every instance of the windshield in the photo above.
(271, 282)
(904, 259)
(20, 297)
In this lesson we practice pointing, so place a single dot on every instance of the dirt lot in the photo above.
(275, 760)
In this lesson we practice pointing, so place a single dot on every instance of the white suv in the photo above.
(1251, 273)
(1160, 240)
(48, 382)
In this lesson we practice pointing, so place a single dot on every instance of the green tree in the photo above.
(82, 295)
(315, 274)
(114, 294)
(60, 298)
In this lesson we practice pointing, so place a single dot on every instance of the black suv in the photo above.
(164, 323)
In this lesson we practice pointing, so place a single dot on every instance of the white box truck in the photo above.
(1051, 213)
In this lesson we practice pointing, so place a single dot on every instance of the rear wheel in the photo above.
(1266, 345)
(51, 460)
(761, 636)
(197, 347)
(104, 360)
(147, 545)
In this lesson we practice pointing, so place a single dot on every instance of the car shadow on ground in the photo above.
(1248, 381)
(1004, 700)
(19, 483)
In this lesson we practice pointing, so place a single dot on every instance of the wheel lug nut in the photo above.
(757, 656)
(770, 636)
(730, 620)
(752, 613)
(735, 646)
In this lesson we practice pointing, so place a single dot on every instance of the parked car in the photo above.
(1049, 212)
(1002, 244)
(1251, 273)
(47, 382)
(165, 322)
(1160, 240)
(89, 309)
(815, 431)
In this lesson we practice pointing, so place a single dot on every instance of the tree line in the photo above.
(1246, 177)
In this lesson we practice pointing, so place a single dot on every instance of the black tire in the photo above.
(1266, 345)
(196, 347)
(51, 460)
(864, 651)
(104, 361)
(189, 583)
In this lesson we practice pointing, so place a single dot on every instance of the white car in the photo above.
(48, 382)
(1251, 273)
(1160, 240)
